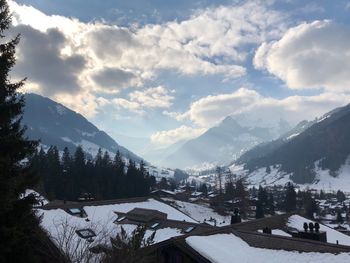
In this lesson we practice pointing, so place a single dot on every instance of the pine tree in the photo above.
(339, 218)
(242, 194)
(340, 196)
(259, 213)
(271, 204)
(310, 204)
(17, 220)
(290, 201)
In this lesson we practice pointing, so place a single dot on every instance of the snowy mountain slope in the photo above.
(55, 124)
(221, 144)
(317, 154)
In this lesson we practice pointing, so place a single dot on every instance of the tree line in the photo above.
(68, 177)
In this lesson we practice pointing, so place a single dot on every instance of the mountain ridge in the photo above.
(323, 144)
(55, 124)
(219, 144)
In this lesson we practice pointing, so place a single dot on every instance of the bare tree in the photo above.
(75, 248)
(127, 248)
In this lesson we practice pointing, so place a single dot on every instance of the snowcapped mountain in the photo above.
(222, 143)
(55, 124)
(314, 153)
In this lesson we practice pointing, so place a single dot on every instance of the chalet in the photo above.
(243, 242)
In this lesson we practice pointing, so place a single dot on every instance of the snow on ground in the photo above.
(261, 177)
(333, 236)
(201, 213)
(61, 110)
(42, 200)
(199, 168)
(223, 248)
(324, 181)
(160, 172)
(293, 135)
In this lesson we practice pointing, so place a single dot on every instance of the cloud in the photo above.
(172, 136)
(253, 109)
(210, 110)
(97, 57)
(310, 56)
(114, 78)
(152, 98)
(40, 58)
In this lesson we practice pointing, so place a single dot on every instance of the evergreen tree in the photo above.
(163, 184)
(322, 195)
(310, 205)
(17, 220)
(268, 170)
(119, 163)
(262, 196)
(340, 196)
(229, 191)
(204, 189)
(339, 218)
(78, 182)
(271, 204)
(242, 194)
(259, 210)
(66, 169)
(290, 201)
(54, 174)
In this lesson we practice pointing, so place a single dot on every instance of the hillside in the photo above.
(313, 147)
(55, 124)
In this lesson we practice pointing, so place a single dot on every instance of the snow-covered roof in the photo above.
(223, 248)
(61, 225)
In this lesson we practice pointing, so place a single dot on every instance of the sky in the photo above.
(166, 71)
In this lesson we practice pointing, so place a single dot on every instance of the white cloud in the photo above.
(172, 136)
(210, 110)
(212, 41)
(152, 98)
(251, 107)
(311, 55)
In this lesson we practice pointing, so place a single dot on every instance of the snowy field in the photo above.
(224, 248)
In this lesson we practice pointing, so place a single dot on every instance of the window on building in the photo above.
(189, 229)
(119, 219)
(86, 233)
(74, 211)
(154, 225)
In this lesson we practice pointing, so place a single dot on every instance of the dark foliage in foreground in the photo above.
(22, 239)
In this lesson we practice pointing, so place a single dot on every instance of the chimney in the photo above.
(312, 232)
(267, 230)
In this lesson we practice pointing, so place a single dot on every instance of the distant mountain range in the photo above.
(222, 143)
(313, 152)
(55, 124)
